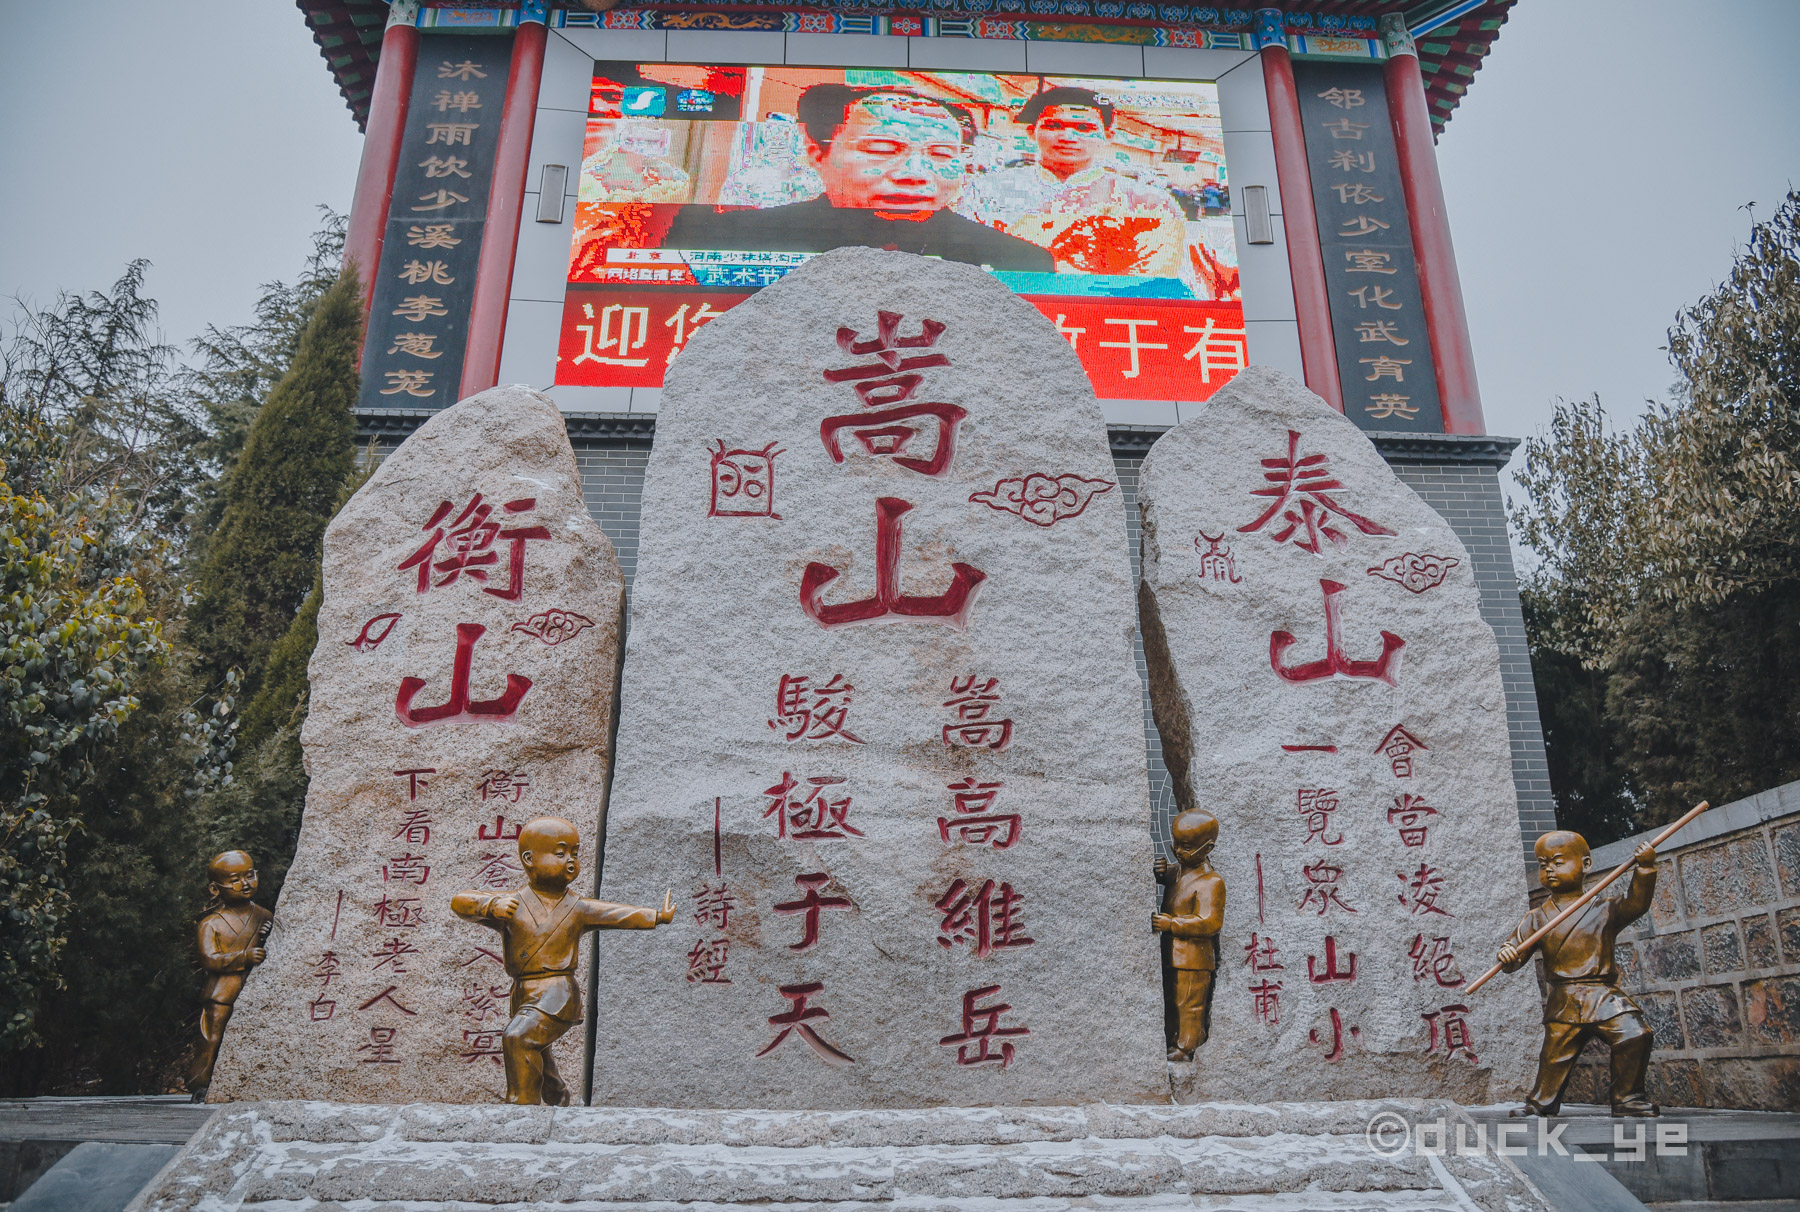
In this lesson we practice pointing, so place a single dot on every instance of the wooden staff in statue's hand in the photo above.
(1575, 931)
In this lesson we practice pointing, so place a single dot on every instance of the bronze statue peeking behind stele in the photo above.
(1584, 998)
(1193, 910)
(541, 926)
(230, 940)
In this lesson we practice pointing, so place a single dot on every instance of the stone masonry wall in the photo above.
(1715, 964)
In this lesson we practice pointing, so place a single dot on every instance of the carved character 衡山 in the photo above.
(230, 940)
(1193, 911)
(1584, 997)
(541, 926)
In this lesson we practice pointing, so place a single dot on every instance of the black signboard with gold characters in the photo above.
(419, 320)
(1377, 319)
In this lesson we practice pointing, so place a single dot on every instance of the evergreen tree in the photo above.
(261, 561)
(1664, 617)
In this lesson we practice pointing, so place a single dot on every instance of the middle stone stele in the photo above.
(881, 728)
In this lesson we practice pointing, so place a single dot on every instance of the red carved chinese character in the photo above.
(459, 706)
(387, 995)
(415, 827)
(1266, 1002)
(504, 785)
(481, 1002)
(986, 916)
(392, 954)
(811, 904)
(1317, 804)
(1420, 890)
(498, 870)
(1322, 889)
(1331, 972)
(891, 378)
(1433, 958)
(477, 1044)
(975, 728)
(401, 913)
(415, 779)
(502, 832)
(1334, 662)
(373, 632)
(813, 816)
(1260, 954)
(713, 906)
(885, 434)
(1455, 1037)
(950, 607)
(797, 1017)
(811, 712)
(1410, 815)
(1309, 478)
(1336, 1051)
(406, 868)
(706, 962)
(980, 1025)
(973, 823)
(325, 969)
(469, 546)
(1217, 561)
(1398, 746)
(481, 953)
(743, 483)
(380, 1046)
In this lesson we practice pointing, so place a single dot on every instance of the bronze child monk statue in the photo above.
(1193, 910)
(1585, 999)
(541, 926)
(230, 940)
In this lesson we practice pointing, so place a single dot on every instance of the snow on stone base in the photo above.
(1283, 1157)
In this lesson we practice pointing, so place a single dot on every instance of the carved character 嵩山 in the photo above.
(1193, 911)
(541, 926)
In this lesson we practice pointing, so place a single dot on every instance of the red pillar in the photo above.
(1299, 221)
(506, 198)
(381, 146)
(1439, 285)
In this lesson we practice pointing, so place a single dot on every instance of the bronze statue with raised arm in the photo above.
(1584, 998)
(1193, 911)
(541, 926)
(230, 940)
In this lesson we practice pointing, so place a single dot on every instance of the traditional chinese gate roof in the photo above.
(349, 31)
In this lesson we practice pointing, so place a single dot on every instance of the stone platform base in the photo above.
(295, 1156)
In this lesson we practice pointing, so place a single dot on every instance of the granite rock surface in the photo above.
(463, 683)
(881, 732)
(1287, 1157)
(1325, 685)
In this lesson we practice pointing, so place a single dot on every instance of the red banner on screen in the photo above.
(1132, 349)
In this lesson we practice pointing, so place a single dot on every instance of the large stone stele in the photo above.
(923, 874)
(374, 991)
(1369, 831)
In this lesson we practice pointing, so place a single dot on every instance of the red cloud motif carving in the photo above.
(1043, 500)
(554, 626)
(1414, 572)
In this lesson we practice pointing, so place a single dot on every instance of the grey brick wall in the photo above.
(1468, 496)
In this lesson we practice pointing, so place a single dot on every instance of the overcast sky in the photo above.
(1595, 173)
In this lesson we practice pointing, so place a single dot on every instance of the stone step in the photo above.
(293, 1157)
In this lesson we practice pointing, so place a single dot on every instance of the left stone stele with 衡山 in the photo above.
(463, 684)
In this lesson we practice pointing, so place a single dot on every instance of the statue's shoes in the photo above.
(1637, 1109)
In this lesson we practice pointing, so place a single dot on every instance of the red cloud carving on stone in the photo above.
(1043, 500)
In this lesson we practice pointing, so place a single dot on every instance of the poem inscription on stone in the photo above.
(881, 729)
(1324, 683)
(462, 684)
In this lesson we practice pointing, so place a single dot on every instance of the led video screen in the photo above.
(1104, 203)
